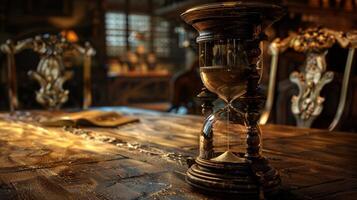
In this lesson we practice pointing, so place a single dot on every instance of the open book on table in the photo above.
(89, 118)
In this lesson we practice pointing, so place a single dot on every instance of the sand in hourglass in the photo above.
(228, 83)
(229, 157)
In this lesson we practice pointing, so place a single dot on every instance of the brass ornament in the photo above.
(314, 43)
(308, 104)
(50, 71)
(312, 40)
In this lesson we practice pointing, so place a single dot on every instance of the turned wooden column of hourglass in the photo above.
(253, 102)
(206, 97)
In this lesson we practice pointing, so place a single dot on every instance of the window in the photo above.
(139, 34)
(139, 28)
(161, 38)
(115, 33)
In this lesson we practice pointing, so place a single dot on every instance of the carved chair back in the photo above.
(50, 71)
(314, 43)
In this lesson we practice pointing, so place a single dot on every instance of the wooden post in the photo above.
(152, 26)
(127, 33)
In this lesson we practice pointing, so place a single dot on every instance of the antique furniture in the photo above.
(50, 72)
(138, 87)
(183, 91)
(314, 43)
(147, 160)
(229, 50)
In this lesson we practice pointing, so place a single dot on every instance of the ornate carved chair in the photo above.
(50, 72)
(314, 43)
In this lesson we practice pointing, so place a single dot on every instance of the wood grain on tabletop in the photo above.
(147, 160)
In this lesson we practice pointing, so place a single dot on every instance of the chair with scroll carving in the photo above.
(50, 72)
(314, 43)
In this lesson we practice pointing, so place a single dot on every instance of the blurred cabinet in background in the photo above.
(139, 88)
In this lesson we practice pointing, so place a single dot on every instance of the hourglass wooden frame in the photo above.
(244, 22)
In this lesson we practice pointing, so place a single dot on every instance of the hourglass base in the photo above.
(229, 179)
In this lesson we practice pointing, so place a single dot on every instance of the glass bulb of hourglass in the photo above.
(229, 132)
(228, 79)
(227, 82)
(226, 73)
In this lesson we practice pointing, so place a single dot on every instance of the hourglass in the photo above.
(225, 73)
(230, 159)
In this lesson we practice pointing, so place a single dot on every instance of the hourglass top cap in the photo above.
(223, 14)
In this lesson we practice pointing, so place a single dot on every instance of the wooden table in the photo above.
(147, 160)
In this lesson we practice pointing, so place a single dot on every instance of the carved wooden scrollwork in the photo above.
(314, 43)
(308, 104)
(50, 71)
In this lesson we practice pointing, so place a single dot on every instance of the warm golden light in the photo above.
(27, 143)
(70, 35)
